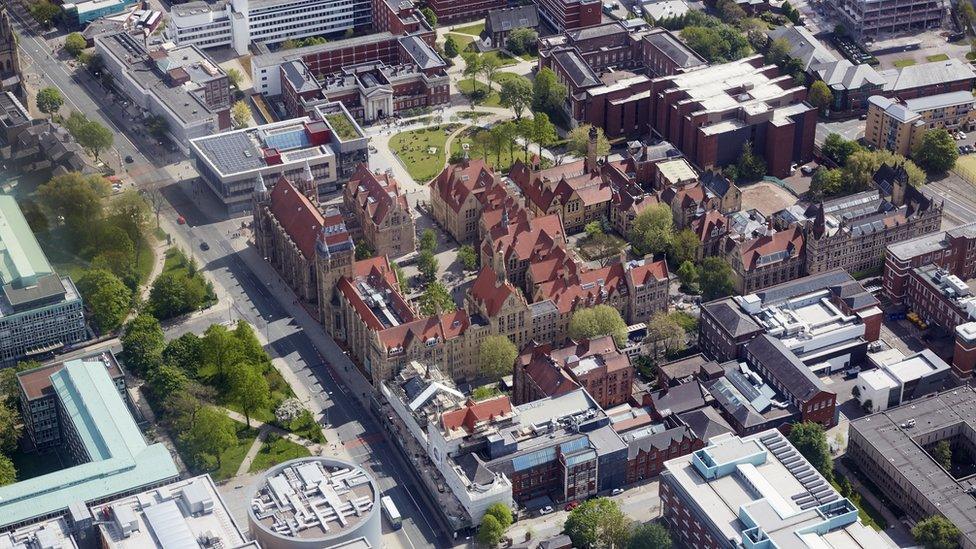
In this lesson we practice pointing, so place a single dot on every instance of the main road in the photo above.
(256, 295)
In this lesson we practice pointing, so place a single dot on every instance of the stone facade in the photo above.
(382, 211)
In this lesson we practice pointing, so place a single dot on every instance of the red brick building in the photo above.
(782, 370)
(570, 14)
(453, 11)
(596, 365)
(646, 456)
(953, 250)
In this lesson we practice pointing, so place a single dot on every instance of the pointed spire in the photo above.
(819, 223)
(308, 172)
(259, 186)
(505, 216)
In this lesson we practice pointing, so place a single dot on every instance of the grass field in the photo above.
(462, 41)
(937, 57)
(232, 457)
(507, 157)
(475, 29)
(902, 63)
(56, 246)
(413, 149)
(278, 451)
(467, 87)
(966, 167)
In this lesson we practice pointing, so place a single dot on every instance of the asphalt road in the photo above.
(252, 298)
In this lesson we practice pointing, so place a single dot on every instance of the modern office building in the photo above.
(323, 148)
(40, 311)
(899, 126)
(185, 513)
(757, 491)
(98, 435)
(877, 19)
(893, 449)
(315, 502)
(898, 378)
(238, 23)
(953, 250)
(182, 85)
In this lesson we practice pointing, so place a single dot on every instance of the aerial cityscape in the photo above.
(543, 274)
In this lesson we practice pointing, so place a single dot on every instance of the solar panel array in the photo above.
(228, 153)
(818, 491)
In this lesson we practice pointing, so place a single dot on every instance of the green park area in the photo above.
(233, 455)
(276, 450)
(937, 57)
(481, 145)
(474, 30)
(902, 63)
(422, 151)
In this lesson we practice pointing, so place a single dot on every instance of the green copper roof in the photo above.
(120, 458)
(21, 258)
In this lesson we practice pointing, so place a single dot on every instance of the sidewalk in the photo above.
(895, 531)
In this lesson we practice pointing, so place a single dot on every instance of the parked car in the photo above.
(852, 372)
(808, 169)
(204, 246)
(545, 510)
(181, 220)
(128, 159)
(572, 505)
(617, 491)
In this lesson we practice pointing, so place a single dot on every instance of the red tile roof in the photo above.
(376, 195)
(491, 291)
(443, 327)
(546, 186)
(647, 270)
(300, 219)
(704, 226)
(552, 370)
(458, 181)
(790, 240)
(474, 413)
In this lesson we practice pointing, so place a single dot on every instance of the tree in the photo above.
(364, 250)
(450, 47)
(521, 40)
(49, 100)
(543, 131)
(598, 523)
(717, 44)
(943, 454)
(496, 357)
(248, 388)
(826, 183)
(10, 427)
(240, 115)
(107, 297)
(74, 44)
(174, 294)
(428, 240)
(684, 247)
(839, 149)
(547, 93)
(593, 229)
(651, 535)
(184, 352)
(221, 350)
(516, 94)
(427, 264)
(750, 166)
(715, 278)
(430, 16)
(861, 166)
(665, 333)
(730, 12)
(598, 321)
(468, 257)
(34, 215)
(235, 77)
(401, 279)
(130, 212)
(166, 379)
(688, 275)
(157, 126)
(209, 434)
(489, 67)
(93, 137)
(74, 197)
(936, 532)
(44, 12)
(578, 141)
(778, 51)
(502, 513)
(142, 344)
(472, 67)
(936, 152)
(820, 95)
(651, 231)
(964, 8)
(153, 194)
(490, 532)
(811, 441)
(8, 473)
(436, 299)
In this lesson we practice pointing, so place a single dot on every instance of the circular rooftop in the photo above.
(314, 502)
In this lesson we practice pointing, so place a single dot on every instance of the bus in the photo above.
(390, 512)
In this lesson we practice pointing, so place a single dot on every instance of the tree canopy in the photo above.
(142, 344)
(578, 141)
(240, 114)
(651, 535)
(107, 297)
(74, 43)
(820, 95)
(74, 197)
(521, 40)
(430, 16)
(715, 278)
(810, 440)
(548, 93)
(92, 136)
(651, 231)
(516, 94)
(49, 100)
(936, 532)
(936, 152)
(497, 357)
(436, 299)
(598, 321)
(248, 388)
(450, 47)
(596, 524)
(717, 44)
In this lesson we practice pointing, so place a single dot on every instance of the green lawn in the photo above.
(278, 451)
(601, 246)
(413, 149)
(475, 29)
(501, 77)
(467, 86)
(232, 457)
(507, 158)
(902, 63)
(177, 263)
(57, 247)
(937, 57)
(504, 59)
(461, 40)
(867, 513)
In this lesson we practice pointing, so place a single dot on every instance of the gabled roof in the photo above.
(458, 181)
(473, 413)
(375, 195)
(491, 290)
(507, 19)
(296, 214)
(705, 226)
(769, 249)
(730, 317)
(792, 374)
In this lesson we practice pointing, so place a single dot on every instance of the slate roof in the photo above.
(706, 423)
(728, 315)
(804, 46)
(849, 76)
(678, 399)
(578, 71)
(927, 74)
(506, 19)
(423, 55)
(296, 214)
(682, 55)
(792, 374)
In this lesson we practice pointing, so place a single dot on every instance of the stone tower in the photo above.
(591, 147)
(334, 255)
(9, 57)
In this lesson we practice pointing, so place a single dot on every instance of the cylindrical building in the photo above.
(315, 502)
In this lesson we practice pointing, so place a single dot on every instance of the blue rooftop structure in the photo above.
(103, 436)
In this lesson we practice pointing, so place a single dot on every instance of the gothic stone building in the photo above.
(382, 211)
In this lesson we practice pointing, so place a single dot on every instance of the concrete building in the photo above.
(40, 311)
(893, 449)
(53, 532)
(900, 126)
(596, 365)
(39, 400)
(877, 19)
(899, 378)
(238, 23)
(380, 207)
(328, 145)
(315, 502)
(757, 491)
(853, 232)
(110, 456)
(182, 85)
(184, 513)
(953, 250)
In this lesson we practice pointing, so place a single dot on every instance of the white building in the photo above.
(237, 23)
(898, 378)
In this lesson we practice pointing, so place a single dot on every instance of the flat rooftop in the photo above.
(314, 499)
(929, 243)
(890, 435)
(49, 534)
(246, 151)
(37, 383)
(175, 515)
